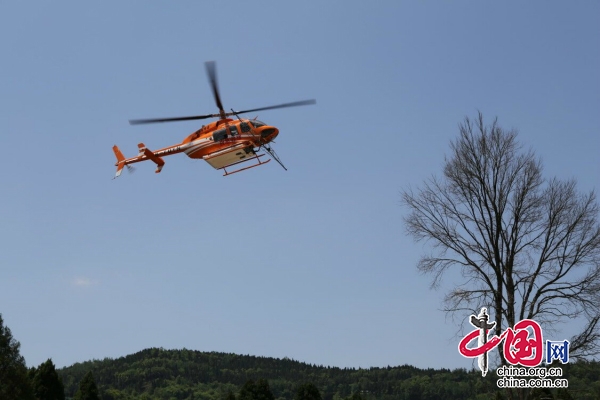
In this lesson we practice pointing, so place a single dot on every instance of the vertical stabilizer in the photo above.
(120, 161)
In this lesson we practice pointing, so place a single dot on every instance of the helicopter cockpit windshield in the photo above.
(257, 123)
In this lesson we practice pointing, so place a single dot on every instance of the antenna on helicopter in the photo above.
(270, 150)
(236, 114)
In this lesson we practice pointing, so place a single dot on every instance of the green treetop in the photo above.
(46, 383)
(87, 388)
(14, 383)
(307, 391)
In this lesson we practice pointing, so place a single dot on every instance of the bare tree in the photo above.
(527, 247)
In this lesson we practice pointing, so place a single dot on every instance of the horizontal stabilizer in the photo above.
(156, 159)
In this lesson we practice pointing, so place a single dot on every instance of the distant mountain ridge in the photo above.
(157, 373)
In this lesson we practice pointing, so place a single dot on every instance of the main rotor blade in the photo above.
(284, 105)
(211, 70)
(155, 120)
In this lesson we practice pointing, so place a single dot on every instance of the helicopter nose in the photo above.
(268, 132)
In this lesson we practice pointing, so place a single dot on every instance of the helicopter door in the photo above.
(230, 155)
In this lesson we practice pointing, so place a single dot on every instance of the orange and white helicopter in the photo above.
(224, 143)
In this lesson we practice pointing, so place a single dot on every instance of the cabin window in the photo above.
(245, 127)
(257, 123)
(220, 135)
(233, 130)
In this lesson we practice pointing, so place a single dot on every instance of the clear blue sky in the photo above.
(313, 263)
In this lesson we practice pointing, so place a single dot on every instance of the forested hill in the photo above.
(182, 374)
(187, 374)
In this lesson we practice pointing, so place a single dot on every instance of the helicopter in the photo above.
(225, 143)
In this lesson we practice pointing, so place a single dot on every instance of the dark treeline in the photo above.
(186, 374)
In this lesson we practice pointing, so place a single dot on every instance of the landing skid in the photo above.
(256, 158)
